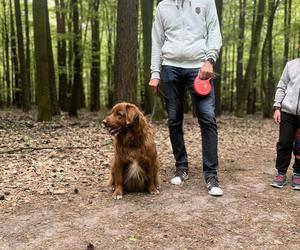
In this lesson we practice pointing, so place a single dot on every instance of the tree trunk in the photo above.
(218, 66)
(42, 59)
(287, 28)
(6, 57)
(240, 49)
(95, 70)
(26, 105)
(62, 53)
(252, 63)
(53, 94)
(267, 75)
(147, 17)
(126, 51)
(75, 99)
(110, 19)
(15, 64)
(27, 35)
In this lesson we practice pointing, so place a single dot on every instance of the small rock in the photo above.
(2, 197)
(6, 193)
(90, 246)
(76, 191)
(59, 191)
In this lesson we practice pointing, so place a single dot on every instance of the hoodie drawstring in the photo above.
(182, 1)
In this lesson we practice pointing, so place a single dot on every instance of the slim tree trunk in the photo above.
(126, 51)
(62, 53)
(287, 27)
(15, 64)
(218, 66)
(6, 56)
(95, 70)
(26, 105)
(110, 19)
(27, 35)
(42, 59)
(240, 49)
(147, 17)
(252, 63)
(75, 99)
(267, 75)
(53, 94)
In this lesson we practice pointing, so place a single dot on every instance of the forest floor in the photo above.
(53, 192)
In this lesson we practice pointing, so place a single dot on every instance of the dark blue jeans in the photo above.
(175, 81)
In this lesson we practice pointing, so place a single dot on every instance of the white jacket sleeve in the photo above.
(158, 39)
(281, 87)
(214, 39)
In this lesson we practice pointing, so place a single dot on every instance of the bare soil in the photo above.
(53, 192)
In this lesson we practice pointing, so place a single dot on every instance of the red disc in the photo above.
(202, 87)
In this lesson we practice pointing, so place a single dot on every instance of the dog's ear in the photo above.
(131, 114)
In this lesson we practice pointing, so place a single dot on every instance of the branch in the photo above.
(11, 151)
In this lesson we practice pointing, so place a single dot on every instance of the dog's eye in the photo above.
(120, 114)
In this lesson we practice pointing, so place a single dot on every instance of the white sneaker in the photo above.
(179, 177)
(213, 186)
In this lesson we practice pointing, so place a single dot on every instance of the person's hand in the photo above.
(277, 116)
(206, 71)
(154, 83)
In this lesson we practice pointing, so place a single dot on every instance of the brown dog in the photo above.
(135, 164)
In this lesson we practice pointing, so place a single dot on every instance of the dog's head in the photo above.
(122, 116)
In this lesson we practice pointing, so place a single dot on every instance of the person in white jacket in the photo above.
(186, 41)
(287, 115)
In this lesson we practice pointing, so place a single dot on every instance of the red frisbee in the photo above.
(202, 87)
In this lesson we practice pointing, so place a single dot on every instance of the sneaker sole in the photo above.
(277, 186)
(175, 182)
(295, 187)
(215, 194)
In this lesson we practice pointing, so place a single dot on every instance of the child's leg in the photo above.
(287, 131)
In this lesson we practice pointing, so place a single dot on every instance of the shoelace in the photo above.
(213, 181)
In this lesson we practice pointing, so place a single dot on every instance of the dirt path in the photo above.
(56, 198)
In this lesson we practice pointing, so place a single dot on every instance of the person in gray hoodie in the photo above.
(287, 115)
(186, 41)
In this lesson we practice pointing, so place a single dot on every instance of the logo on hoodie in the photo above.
(197, 10)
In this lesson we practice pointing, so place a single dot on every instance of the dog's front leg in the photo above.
(118, 180)
(153, 181)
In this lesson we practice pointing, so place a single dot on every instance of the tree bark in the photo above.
(267, 75)
(218, 66)
(26, 105)
(75, 99)
(6, 57)
(15, 64)
(287, 28)
(240, 48)
(126, 52)
(95, 70)
(252, 63)
(41, 59)
(62, 53)
(27, 35)
(53, 94)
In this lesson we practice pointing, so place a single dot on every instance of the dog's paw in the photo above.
(117, 195)
(154, 191)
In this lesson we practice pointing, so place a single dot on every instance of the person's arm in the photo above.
(214, 39)
(158, 39)
(280, 94)
(281, 88)
(213, 42)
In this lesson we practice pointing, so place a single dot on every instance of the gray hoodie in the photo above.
(184, 34)
(287, 95)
